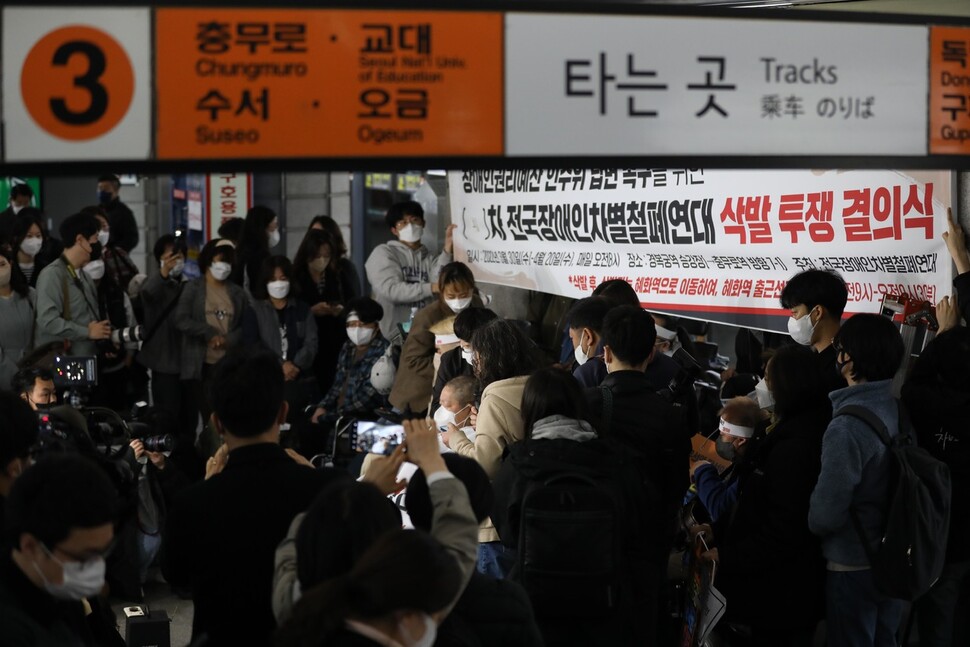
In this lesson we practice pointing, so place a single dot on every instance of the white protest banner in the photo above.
(634, 85)
(709, 244)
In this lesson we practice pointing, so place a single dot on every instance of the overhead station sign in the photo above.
(322, 83)
(177, 84)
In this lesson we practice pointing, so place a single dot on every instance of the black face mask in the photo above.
(95, 250)
(841, 365)
(725, 449)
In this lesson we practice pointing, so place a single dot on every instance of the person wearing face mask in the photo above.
(458, 361)
(260, 233)
(585, 325)
(816, 299)
(769, 523)
(18, 305)
(21, 197)
(209, 316)
(29, 239)
(402, 273)
(325, 281)
(352, 392)
(116, 260)
(457, 403)
(36, 387)
(414, 383)
(162, 343)
(285, 326)
(67, 300)
(60, 514)
(739, 424)
(120, 218)
(628, 409)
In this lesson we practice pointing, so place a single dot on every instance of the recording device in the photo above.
(75, 372)
(146, 628)
(129, 334)
(375, 438)
(688, 371)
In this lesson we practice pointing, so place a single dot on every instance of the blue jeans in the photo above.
(857, 614)
(148, 546)
(936, 611)
(495, 560)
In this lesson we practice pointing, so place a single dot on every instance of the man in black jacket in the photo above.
(630, 411)
(124, 229)
(222, 533)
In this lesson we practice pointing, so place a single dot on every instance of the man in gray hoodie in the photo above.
(855, 479)
(402, 272)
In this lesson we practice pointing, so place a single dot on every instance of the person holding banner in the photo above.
(816, 299)
(402, 272)
(956, 244)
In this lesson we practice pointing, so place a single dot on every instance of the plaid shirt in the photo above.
(353, 378)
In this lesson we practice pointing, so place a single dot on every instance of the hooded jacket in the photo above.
(401, 279)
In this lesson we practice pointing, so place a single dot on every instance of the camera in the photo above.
(152, 442)
(375, 438)
(75, 372)
(688, 371)
(130, 334)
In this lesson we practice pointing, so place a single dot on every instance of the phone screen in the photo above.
(378, 439)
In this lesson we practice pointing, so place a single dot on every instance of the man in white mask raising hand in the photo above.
(402, 272)
(816, 299)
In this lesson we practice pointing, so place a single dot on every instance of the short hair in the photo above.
(21, 191)
(816, 287)
(231, 229)
(618, 291)
(213, 248)
(797, 381)
(340, 525)
(874, 345)
(741, 411)
(589, 313)
(78, 224)
(367, 310)
(630, 332)
(246, 391)
(463, 387)
(18, 428)
(471, 319)
(455, 273)
(57, 494)
(169, 240)
(26, 378)
(417, 499)
(399, 210)
(110, 177)
(503, 352)
(552, 391)
(266, 271)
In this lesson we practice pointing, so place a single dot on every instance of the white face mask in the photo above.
(31, 246)
(359, 335)
(278, 289)
(81, 579)
(274, 238)
(765, 399)
(467, 356)
(580, 355)
(801, 329)
(443, 418)
(427, 640)
(176, 269)
(103, 237)
(220, 271)
(410, 233)
(457, 305)
(94, 269)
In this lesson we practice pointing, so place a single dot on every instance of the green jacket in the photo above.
(67, 302)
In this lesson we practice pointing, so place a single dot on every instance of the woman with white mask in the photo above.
(116, 260)
(286, 327)
(413, 386)
(351, 392)
(260, 233)
(29, 238)
(209, 315)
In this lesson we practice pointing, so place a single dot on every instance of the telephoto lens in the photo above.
(126, 335)
(160, 443)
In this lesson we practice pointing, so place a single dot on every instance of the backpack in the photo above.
(911, 552)
(570, 554)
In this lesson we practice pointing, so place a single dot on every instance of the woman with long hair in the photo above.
(18, 305)
(260, 233)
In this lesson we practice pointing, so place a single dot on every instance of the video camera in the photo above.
(689, 371)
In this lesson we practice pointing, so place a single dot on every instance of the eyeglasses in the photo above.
(88, 557)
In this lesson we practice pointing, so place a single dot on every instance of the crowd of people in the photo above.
(530, 500)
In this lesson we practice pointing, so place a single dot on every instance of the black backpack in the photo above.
(911, 552)
(570, 554)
